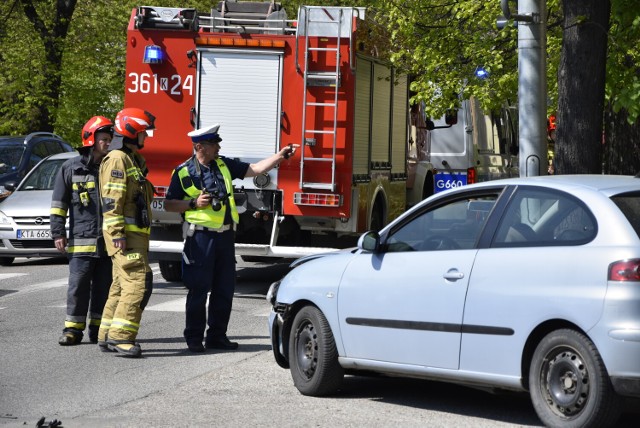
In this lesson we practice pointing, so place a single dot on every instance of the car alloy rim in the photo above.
(566, 382)
(306, 349)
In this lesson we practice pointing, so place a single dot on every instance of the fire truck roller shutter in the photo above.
(239, 88)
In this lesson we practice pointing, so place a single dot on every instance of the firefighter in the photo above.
(76, 193)
(201, 190)
(551, 144)
(126, 200)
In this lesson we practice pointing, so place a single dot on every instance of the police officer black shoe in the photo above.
(128, 350)
(195, 347)
(68, 339)
(221, 343)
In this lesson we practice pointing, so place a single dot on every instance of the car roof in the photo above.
(27, 140)
(606, 184)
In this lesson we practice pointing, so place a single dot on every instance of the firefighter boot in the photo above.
(104, 345)
(69, 338)
(125, 349)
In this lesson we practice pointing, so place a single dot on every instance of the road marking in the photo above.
(43, 286)
(10, 275)
(175, 305)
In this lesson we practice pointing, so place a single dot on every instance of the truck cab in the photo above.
(471, 145)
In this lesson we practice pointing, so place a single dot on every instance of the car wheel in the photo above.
(313, 355)
(171, 270)
(569, 384)
(6, 261)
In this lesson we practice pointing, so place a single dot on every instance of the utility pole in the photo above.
(532, 84)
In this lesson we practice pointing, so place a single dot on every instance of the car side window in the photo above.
(38, 152)
(54, 147)
(544, 217)
(454, 225)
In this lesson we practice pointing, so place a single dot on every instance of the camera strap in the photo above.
(221, 188)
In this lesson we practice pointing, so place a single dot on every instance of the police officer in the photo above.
(126, 199)
(201, 189)
(76, 192)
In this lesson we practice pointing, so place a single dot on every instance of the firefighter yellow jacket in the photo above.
(126, 199)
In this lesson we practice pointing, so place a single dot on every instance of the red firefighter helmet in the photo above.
(132, 121)
(92, 127)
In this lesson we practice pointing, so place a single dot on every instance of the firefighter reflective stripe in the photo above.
(116, 220)
(124, 325)
(134, 172)
(58, 211)
(130, 226)
(207, 217)
(76, 325)
(94, 318)
(83, 245)
(105, 324)
(59, 208)
(81, 185)
(116, 187)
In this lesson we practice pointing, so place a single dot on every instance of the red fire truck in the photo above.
(269, 82)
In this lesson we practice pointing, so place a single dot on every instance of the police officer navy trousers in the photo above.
(201, 276)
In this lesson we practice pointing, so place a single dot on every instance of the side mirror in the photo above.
(369, 241)
(451, 117)
(430, 125)
(10, 186)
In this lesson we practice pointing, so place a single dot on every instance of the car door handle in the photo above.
(453, 275)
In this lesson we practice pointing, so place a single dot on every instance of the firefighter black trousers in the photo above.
(89, 282)
(208, 265)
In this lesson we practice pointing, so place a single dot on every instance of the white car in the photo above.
(24, 215)
(525, 284)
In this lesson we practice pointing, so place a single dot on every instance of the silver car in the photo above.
(526, 284)
(24, 215)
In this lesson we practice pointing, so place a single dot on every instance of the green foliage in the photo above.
(440, 43)
(623, 65)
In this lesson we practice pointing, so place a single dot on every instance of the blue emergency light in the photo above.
(153, 54)
(481, 73)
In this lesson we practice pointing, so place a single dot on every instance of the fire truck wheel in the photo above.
(171, 270)
(313, 355)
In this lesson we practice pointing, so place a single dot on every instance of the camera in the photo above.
(217, 199)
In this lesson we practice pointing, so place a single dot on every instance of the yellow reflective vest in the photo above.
(207, 217)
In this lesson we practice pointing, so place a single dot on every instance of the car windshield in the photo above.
(10, 157)
(43, 176)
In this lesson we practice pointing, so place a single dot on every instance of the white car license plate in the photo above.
(34, 234)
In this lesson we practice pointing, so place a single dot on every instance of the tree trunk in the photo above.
(622, 143)
(581, 83)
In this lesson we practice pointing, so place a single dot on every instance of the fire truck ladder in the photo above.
(320, 21)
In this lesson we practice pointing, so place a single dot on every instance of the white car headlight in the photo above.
(272, 294)
(4, 219)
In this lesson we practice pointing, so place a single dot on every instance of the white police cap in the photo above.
(208, 134)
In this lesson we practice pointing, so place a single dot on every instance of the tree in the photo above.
(622, 126)
(581, 86)
(52, 34)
